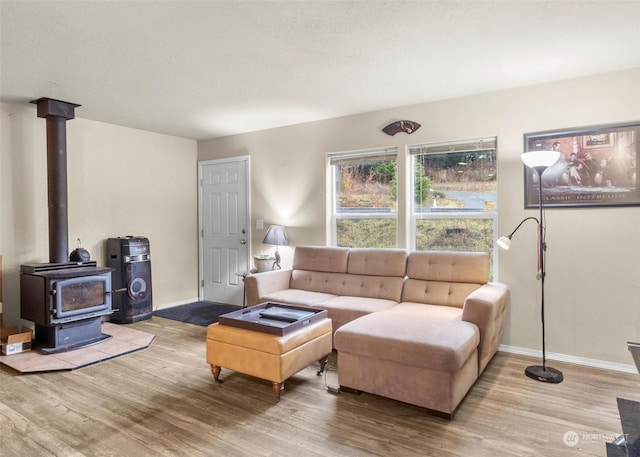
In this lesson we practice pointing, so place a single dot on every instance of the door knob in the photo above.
(243, 241)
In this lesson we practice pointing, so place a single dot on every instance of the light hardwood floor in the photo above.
(163, 401)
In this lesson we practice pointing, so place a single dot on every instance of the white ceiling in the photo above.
(203, 69)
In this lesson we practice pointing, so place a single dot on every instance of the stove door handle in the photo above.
(124, 289)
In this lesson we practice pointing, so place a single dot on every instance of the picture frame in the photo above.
(598, 141)
(597, 167)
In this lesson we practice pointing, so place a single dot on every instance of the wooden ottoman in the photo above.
(272, 357)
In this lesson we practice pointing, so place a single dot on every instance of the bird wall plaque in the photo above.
(401, 126)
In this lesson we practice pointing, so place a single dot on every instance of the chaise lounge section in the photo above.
(417, 327)
(430, 348)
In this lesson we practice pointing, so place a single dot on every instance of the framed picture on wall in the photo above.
(597, 167)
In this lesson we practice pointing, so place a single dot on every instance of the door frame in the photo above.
(247, 161)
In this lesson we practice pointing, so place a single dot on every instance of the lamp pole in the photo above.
(542, 373)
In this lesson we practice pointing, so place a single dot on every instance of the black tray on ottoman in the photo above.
(274, 318)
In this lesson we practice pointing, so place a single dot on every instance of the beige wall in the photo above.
(593, 273)
(121, 181)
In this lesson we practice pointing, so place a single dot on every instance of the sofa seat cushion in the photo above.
(346, 309)
(426, 336)
(298, 297)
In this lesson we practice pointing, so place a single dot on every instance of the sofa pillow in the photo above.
(321, 258)
(437, 292)
(377, 262)
(466, 267)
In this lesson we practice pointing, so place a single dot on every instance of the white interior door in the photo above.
(224, 229)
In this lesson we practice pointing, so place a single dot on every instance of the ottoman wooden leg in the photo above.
(323, 363)
(215, 370)
(278, 387)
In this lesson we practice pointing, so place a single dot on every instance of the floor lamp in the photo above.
(538, 161)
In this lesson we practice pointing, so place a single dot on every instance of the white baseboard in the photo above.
(175, 303)
(570, 359)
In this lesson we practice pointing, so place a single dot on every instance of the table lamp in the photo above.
(276, 236)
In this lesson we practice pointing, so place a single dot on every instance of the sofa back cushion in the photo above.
(321, 258)
(450, 266)
(377, 262)
(437, 292)
(372, 273)
(444, 278)
(343, 284)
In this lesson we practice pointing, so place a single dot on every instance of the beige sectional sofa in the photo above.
(418, 327)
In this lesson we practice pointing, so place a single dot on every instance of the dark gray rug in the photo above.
(201, 313)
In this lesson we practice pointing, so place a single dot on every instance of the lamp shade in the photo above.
(276, 236)
(536, 159)
(504, 242)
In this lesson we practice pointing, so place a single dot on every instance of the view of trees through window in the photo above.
(455, 192)
(453, 205)
(366, 201)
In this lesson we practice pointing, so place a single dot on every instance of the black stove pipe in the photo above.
(57, 113)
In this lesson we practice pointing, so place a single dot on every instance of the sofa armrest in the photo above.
(486, 307)
(261, 284)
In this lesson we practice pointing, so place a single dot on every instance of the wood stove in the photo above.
(65, 300)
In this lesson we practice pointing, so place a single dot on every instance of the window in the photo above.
(454, 197)
(364, 198)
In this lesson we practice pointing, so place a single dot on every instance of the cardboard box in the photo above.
(14, 340)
